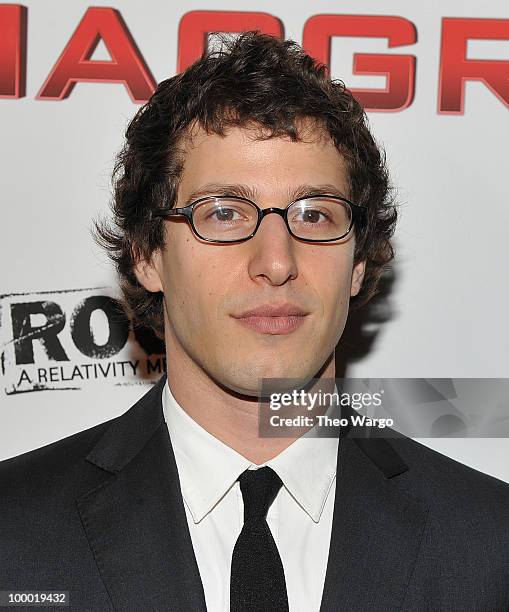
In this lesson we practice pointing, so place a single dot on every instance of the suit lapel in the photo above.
(135, 519)
(377, 528)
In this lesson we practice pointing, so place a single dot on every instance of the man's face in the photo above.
(207, 286)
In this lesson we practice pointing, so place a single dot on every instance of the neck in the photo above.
(228, 416)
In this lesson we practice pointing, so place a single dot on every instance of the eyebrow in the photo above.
(245, 191)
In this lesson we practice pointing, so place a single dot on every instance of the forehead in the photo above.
(268, 166)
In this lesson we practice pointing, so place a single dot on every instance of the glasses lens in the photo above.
(225, 219)
(320, 218)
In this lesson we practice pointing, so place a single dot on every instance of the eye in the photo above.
(224, 213)
(311, 215)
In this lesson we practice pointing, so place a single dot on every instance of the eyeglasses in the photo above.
(220, 219)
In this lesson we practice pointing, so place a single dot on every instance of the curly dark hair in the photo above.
(253, 79)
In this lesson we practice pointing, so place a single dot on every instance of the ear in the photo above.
(147, 272)
(357, 277)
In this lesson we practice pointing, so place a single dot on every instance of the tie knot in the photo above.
(259, 489)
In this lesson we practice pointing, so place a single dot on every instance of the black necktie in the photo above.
(257, 577)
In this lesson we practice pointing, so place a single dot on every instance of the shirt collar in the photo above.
(208, 468)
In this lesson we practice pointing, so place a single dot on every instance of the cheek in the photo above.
(332, 278)
(192, 284)
(179, 273)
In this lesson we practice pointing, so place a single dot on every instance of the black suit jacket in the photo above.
(100, 514)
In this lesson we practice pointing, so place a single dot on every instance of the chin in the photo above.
(246, 380)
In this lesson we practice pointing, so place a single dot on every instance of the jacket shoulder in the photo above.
(61, 465)
(445, 481)
(50, 462)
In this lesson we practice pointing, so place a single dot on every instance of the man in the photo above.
(252, 207)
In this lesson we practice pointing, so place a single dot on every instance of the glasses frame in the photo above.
(358, 215)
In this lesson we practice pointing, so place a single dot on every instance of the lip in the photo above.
(274, 319)
(273, 310)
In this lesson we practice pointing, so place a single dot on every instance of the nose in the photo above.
(272, 256)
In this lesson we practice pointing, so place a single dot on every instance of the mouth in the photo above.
(277, 319)
(273, 325)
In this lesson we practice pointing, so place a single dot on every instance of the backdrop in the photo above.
(434, 78)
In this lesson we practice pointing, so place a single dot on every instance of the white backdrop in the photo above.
(450, 295)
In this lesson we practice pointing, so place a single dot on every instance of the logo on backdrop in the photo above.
(128, 67)
(73, 338)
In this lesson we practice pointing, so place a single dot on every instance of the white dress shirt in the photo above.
(300, 518)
